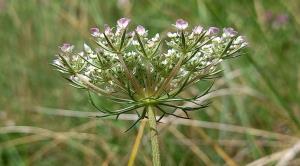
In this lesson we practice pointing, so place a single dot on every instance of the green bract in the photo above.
(134, 69)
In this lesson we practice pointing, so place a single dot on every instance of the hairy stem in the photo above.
(154, 137)
(137, 143)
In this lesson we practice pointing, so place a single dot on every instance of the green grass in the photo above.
(269, 72)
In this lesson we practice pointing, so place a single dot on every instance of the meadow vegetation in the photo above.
(253, 118)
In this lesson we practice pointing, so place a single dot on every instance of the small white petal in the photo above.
(87, 48)
(57, 62)
(172, 35)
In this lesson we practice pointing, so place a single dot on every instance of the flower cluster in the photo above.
(134, 68)
(276, 20)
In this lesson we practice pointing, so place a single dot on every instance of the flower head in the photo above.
(241, 40)
(172, 35)
(140, 30)
(123, 22)
(198, 30)
(66, 47)
(95, 32)
(229, 32)
(181, 24)
(213, 31)
(107, 29)
(281, 20)
(155, 38)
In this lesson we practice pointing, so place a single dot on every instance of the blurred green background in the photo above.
(255, 114)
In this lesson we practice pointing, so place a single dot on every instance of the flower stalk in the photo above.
(153, 137)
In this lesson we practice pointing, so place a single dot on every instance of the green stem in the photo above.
(154, 137)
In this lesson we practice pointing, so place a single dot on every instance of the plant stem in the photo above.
(154, 137)
(137, 143)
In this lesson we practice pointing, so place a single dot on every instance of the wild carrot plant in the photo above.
(146, 74)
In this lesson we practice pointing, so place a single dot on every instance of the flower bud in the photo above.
(155, 38)
(140, 30)
(181, 24)
(229, 32)
(66, 47)
(197, 30)
(107, 30)
(172, 35)
(240, 40)
(95, 32)
(213, 31)
(123, 22)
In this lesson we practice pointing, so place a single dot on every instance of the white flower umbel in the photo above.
(138, 66)
(139, 70)
(147, 73)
